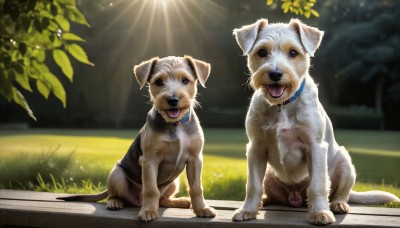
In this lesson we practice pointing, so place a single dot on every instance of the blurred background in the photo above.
(357, 66)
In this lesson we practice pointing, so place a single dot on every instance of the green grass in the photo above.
(79, 160)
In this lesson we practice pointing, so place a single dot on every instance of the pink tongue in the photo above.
(276, 90)
(173, 113)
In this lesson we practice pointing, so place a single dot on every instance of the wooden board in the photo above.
(38, 209)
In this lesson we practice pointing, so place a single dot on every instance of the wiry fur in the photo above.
(292, 150)
(148, 175)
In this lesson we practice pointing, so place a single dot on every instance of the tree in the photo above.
(298, 7)
(30, 31)
(368, 56)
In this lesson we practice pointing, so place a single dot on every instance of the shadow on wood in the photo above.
(40, 209)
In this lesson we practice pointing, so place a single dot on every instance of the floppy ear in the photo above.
(142, 71)
(310, 37)
(247, 35)
(201, 69)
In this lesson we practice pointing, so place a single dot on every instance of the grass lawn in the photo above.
(79, 160)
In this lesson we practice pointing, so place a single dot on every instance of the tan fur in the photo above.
(167, 145)
(164, 156)
(292, 150)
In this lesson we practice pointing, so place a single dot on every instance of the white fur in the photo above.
(295, 140)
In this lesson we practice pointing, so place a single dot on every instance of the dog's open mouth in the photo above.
(173, 112)
(276, 90)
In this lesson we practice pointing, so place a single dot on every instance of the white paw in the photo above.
(147, 215)
(339, 207)
(323, 217)
(242, 215)
(207, 212)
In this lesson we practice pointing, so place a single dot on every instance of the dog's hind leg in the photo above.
(120, 190)
(342, 180)
(167, 196)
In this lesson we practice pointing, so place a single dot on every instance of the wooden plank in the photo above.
(218, 204)
(33, 209)
(354, 209)
(67, 214)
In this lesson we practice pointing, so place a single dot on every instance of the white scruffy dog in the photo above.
(291, 143)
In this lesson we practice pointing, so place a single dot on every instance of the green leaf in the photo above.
(52, 37)
(23, 80)
(22, 48)
(31, 4)
(307, 14)
(7, 61)
(43, 88)
(62, 60)
(39, 54)
(53, 10)
(11, 75)
(18, 68)
(71, 36)
(76, 16)
(20, 99)
(57, 42)
(45, 23)
(67, 2)
(315, 13)
(269, 2)
(40, 67)
(285, 6)
(62, 22)
(56, 87)
(26, 23)
(53, 26)
(37, 25)
(5, 86)
(78, 53)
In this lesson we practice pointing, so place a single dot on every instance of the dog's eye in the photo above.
(159, 82)
(293, 53)
(185, 81)
(262, 53)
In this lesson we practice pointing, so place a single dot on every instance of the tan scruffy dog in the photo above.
(289, 130)
(172, 138)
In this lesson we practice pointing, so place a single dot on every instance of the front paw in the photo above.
(323, 217)
(339, 207)
(147, 215)
(207, 212)
(242, 215)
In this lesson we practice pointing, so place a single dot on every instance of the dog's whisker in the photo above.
(196, 104)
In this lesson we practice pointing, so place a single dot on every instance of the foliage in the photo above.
(21, 170)
(298, 7)
(86, 186)
(369, 52)
(31, 31)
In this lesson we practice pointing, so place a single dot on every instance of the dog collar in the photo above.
(185, 119)
(296, 94)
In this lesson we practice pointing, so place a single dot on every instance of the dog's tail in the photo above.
(372, 197)
(86, 197)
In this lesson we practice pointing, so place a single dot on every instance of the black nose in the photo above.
(173, 101)
(275, 75)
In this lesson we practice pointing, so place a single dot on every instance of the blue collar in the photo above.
(296, 94)
(185, 119)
